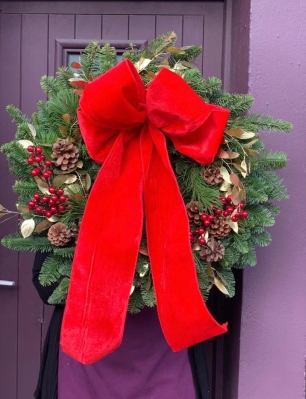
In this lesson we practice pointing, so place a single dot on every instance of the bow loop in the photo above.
(195, 127)
(114, 101)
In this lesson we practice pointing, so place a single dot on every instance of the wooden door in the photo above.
(34, 37)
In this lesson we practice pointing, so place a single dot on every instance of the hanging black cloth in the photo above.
(47, 380)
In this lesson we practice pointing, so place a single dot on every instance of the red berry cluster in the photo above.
(48, 205)
(197, 236)
(38, 159)
(229, 207)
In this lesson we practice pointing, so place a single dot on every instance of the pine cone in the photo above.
(193, 213)
(66, 154)
(59, 234)
(212, 251)
(212, 175)
(219, 228)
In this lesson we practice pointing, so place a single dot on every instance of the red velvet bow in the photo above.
(125, 127)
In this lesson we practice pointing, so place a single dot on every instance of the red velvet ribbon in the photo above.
(124, 127)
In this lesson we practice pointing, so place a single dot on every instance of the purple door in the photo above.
(36, 38)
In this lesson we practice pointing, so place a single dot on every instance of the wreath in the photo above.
(227, 181)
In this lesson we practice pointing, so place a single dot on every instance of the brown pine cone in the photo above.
(59, 234)
(193, 213)
(66, 154)
(212, 251)
(219, 227)
(212, 175)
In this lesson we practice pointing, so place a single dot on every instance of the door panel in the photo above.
(29, 31)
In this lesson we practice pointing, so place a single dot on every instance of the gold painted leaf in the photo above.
(79, 164)
(44, 225)
(250, 143)
(210, 271)
(144, 251)
(235, 132)
(32, 129)
(64, 179)
(175, 50)
(54, 218)
(247, 135)
(25, 143)
(225, 186)
(27, 227)
(75, 65)
(196, 247)
(63, 130)
(22, 208)
(43, 186)
(238, 167)
(250, 151)
(233, 225)
(222, 154)
(232, 154)
(1, 207)
(225, 174)
(188, 64)
(244, 167)
(235, 196)
(220, 286)
(87, 181)
(67, 118)
(234, 179)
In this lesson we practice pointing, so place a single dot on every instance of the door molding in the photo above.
(65, 46)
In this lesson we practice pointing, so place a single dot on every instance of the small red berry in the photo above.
(230, 209)
(225, 213)
(38, 209)
(34, 172)
(203, 217)
(218, 211)
(241, 205)
(201, 230)
(51, 202)
(223, 200)
(46, 175)
(245, 214)
(202, 241)
(238, 215)
(62, 198)
(234, 218)
(60, 191)
(48, 163)
(31, 204)
(53, 209)
(52, 190)
(30, 148)
(207, 223)
(43, 157)
(49, 172)
(45, 199)
(38, 150)
(229, 198)
(38, 159)
(211, 218)
(54, 197)
(36, 196)
(30, 161)
(44, 212)
(48, 214)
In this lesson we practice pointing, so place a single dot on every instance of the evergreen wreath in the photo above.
(228, 202)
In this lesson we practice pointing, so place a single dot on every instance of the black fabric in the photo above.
(47, 381)
(199, 368)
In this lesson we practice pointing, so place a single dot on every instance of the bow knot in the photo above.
(124, 126)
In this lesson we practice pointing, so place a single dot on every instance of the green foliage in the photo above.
(32, 244)
(60, 293)
(57, 119)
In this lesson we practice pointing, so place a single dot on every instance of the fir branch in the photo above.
(135, 302)
(204, 88)
(33, 244)
(16, 114)
(66, 252)
(60, 293)
(261, 123)
(107, 57)
(49, 85)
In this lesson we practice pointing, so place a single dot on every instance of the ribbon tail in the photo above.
(183, 315)
(106, 254)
